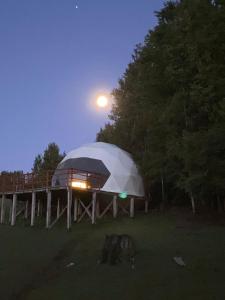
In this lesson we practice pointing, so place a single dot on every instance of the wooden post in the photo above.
(26, 210)
(38, 208)
(97, 209)
(93, 208)
(193, 203)
(3, 209)
(75, 209)
(13, 219)
(58, 208)
(79, 209)
(48, 212)
(41, 208)
(56, 220)
(69, 202)
(146, 206)
(33, 206)
(132, 207)
(115, 206)
(10, 212)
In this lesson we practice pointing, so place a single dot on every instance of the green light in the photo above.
(123, 195)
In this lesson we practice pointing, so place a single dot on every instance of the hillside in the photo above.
(33, 261)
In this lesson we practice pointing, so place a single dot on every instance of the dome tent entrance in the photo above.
(86, 169)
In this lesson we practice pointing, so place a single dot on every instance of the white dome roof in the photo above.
(124, 175)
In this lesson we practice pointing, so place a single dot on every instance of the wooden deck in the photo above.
(37, 195)
(21, 183)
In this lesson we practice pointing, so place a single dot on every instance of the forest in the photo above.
(169, 106)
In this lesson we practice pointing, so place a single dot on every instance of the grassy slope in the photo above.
(32, 261)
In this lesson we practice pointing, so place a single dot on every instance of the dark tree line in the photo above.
(169, 109)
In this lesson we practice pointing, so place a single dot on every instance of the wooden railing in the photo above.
(61, 178)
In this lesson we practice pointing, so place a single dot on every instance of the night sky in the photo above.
(54, 59)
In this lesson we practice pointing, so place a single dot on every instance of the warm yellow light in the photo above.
(102, 101)
(79, 185)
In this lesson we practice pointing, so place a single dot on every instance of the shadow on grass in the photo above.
(48, 273)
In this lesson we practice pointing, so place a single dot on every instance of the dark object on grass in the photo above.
(117, 247)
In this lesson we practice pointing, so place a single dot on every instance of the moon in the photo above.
(102, 101)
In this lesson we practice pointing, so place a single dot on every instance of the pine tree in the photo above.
(49, 160)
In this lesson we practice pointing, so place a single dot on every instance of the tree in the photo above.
(106, 134)
(37, 166)
(48, 160)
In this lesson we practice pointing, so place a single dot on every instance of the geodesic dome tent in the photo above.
(115, 165)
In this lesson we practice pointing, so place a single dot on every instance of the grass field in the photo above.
(33, 261)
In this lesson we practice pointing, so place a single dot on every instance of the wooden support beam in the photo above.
(58, 208)
(123, 208)
(79, 209)
(115, 206)
(41, 208)
(26, 210)
(146, 206)
(106, 209)
(13, 219)
(75, 209)
(93, 215)
(33, 207)
(19, 212)
(2, 220)
(132, 207)
(48, 212)
(38, 207)
(69, 202)
(86, 210)
(10, 213)
(62, 212)
(193, 203)
(97, 209)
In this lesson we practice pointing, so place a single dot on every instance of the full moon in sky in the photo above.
(102, 101)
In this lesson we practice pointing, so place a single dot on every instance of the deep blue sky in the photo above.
(54, 58)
